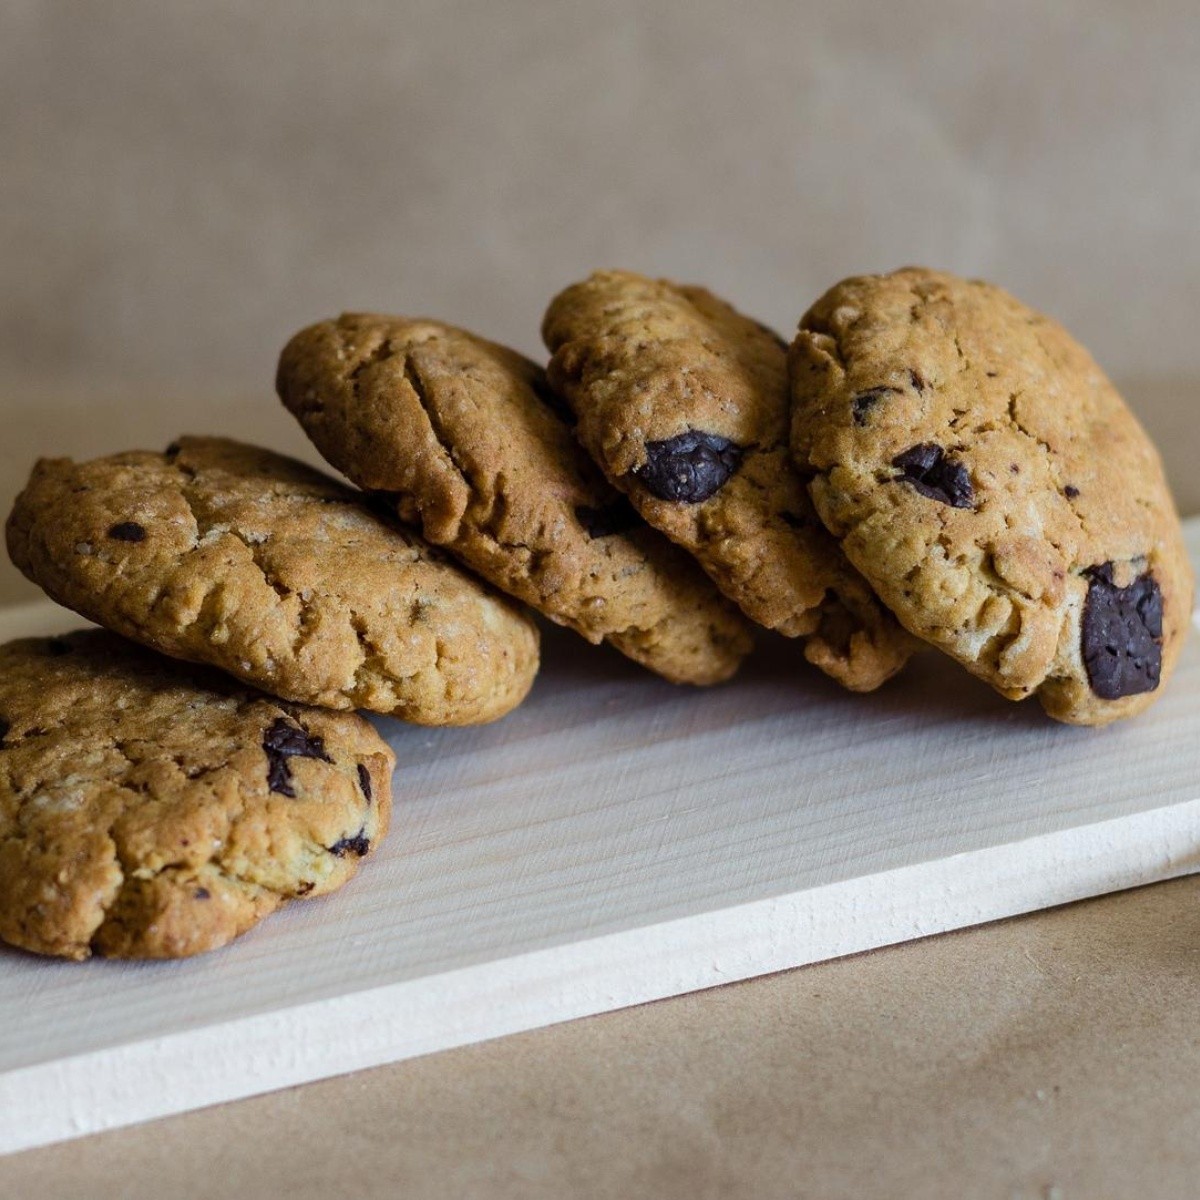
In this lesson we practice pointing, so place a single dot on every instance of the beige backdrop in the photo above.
(183, 184)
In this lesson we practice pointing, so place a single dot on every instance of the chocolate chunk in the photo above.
(865, 401)
(1070, 491)
(202, 893)
(933, 473)
(617, 517)
(302, 889)
(364, 782)
(293, 741)
(172, 451)
(128, 531)
(279, 776)
(4, 728)
(1122, 634)
(283, 741)
(690, 467)
(358, 845)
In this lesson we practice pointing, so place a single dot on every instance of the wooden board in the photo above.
(617, 840)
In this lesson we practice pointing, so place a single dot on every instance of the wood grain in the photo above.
(618, 840)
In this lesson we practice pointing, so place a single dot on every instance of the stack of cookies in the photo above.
(929, 462)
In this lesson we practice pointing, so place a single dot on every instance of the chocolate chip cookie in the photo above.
(990, 483)
(683, 402)
(154, 810)
(225, 554)
(468, 442)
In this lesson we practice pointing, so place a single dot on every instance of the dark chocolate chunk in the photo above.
(865, 401)
(1070, 491)
(930, 470)
(172, 451)
(279, 776)
(690, 467)
(358, 845)
(283, 741)
(617, 517)
(128, 531)
(293, 741)
(202, 893)
(364, 782)
(1122, 634)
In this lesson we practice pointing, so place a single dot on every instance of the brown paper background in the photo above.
(1048, 1058)
(182, 185)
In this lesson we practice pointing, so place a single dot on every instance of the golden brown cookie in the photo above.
(226, 554)
(154, 810)
(683, 402)
(988, 480)
(463, 436)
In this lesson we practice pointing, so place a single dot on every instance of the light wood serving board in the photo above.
(617, 840)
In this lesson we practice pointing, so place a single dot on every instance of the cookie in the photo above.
(988, 480)
(464, 437)
(225, 554)
(683, 402)
(154, 810)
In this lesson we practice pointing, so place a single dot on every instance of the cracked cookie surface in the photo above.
(226, 554)
(154, 810)
(465, 438)
(683, 402)
(990, 482)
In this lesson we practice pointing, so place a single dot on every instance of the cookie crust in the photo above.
(683, 402)
(153, 810)
(464, 437)
(226, 554)
(989, 481)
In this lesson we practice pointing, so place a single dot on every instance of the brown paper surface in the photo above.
(184, 187)
(1052, 1056)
